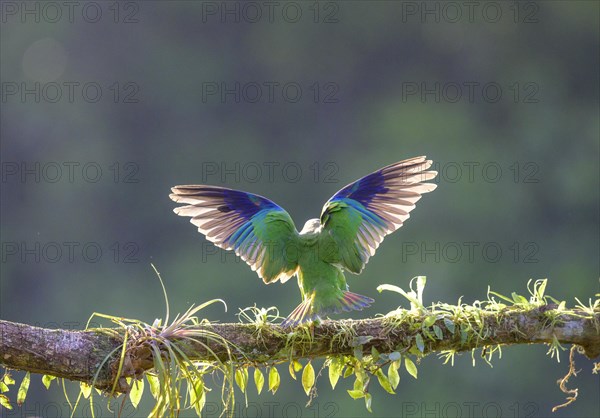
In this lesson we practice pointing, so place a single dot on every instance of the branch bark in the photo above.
(78, 355)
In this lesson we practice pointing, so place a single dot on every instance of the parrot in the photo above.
(352, 224)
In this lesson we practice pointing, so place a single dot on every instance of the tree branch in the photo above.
(78, 355)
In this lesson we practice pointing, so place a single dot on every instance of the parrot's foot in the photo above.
(305, 311)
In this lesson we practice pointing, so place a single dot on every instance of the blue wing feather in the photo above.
(362, 213)
(257, 229)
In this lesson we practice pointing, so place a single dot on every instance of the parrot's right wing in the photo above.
(258, 230)
(357, 218)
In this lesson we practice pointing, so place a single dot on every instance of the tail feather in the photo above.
(306, 311)
(355, 302)
(302, 313)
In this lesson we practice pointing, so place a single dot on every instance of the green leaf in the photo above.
(541, 288)
(414, 350)
(47, 380)
(507, 299)
(394, 356)
(241, 378)
(294, 367)
(390, 287)
(429, 321)
(8, 379)
(518, 298)
(356, 394)
(426, 334)
(358, 382)
(197, 395)
(411, 296)
(348, 371)
(154, 385)
(274, 380)
(5, 402)
(384, 382)
(3, 387)
(335, 370)
(22, 394)
(86, 389)
(438, 332)
(362, 340)
(463, 336)
(308, 378)
(358, 353)
(450, 325)
(368, 401)
(419, 342)
(410, 367)
(136, 392)
(259, 380)
(374, 353)
(393, 376)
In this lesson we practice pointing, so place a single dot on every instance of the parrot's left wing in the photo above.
(360, 215)
(257, 229)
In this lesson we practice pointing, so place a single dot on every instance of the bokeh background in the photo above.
(106, 105)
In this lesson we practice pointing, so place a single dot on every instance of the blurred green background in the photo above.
(106, 105)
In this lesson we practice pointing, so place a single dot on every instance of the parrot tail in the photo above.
(354, 302)
(302, 313)
(305, 311)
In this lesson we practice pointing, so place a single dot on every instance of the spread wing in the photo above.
(357, 218)
(258, 230)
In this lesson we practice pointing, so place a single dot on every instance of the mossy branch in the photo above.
(168, 352)
(79, 355)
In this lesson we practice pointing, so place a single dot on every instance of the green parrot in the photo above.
(351, 226)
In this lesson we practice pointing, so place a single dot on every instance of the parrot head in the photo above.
(311, 227)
